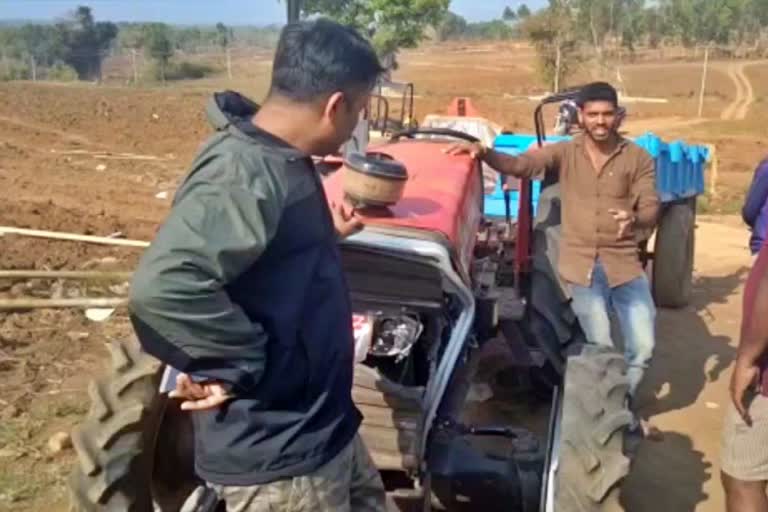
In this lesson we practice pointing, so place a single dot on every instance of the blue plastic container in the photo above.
(679, 169)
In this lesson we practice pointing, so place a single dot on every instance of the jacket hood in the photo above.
(229, 108)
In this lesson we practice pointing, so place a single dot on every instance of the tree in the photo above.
(83, 42)
(508, 14)
(391, 24)
(700, 21)
(751, 17)
(653, 24)
(523, 12)
(158, 44)
(553, 34)
(452, 26)
(496, 30)
(189, 39)
(223, 36)
(595, 22)
(39, 48)
(632, 23)
(131, 37)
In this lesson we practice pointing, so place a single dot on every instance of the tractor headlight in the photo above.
(385, 336)
(395, 336)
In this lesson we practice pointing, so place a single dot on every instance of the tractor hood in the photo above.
(443, 196)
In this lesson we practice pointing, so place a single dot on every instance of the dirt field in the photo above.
(97, 160)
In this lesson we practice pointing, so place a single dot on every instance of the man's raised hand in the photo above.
(625, 220)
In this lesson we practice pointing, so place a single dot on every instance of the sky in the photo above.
(230, 12)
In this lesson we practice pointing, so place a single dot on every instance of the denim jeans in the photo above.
(635, 310)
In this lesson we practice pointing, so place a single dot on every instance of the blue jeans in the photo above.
(635, 309)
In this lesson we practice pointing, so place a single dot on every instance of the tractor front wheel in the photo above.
(590, 459)
(135, 446)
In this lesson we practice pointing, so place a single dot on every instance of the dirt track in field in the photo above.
(745, 94)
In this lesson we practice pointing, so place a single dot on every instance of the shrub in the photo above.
(188, 70)
(14, 70)
(61, 72)
(183, 70)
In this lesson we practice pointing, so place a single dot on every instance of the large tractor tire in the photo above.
(591, 463)
(673, 255)
(135, 447)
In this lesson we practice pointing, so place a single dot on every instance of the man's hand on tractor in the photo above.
(199, 396)
(743, 380)
(473, 149)
(346, 223)
(625, 220)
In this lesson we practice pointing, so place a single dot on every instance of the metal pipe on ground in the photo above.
(73, 237)
(86, 275)
(24, 304)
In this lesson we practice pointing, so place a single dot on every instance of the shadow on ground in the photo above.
(667, 476)
(688, 355)
(670, 475)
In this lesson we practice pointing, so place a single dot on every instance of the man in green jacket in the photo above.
(242, 289)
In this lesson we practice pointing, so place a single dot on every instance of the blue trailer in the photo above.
(680, 169)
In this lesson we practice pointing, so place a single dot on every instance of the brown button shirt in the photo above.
(626, 182)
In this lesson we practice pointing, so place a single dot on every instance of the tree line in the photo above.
(79, 44)
(76, 46)
(627, 22)
(507, 26)
(561, 31)
(685, 22)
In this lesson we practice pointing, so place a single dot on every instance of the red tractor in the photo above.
(433, 285)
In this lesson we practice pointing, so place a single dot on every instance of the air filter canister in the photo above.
(374, 179)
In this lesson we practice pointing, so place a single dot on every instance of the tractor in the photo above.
(438, 282)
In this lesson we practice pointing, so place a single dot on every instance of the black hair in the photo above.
(597, 91)
(317, 58)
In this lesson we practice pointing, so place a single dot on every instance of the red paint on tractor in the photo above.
(442, 194)
(524, 226)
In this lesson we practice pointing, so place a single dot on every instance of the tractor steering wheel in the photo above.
(413, 132)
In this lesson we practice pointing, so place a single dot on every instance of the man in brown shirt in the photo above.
(608, 192)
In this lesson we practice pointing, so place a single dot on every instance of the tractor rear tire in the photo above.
(119, 467)
(673, 255)
(592, 463)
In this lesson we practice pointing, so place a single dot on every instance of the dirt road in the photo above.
(687, 387)
(745, 95)
(736, 110)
